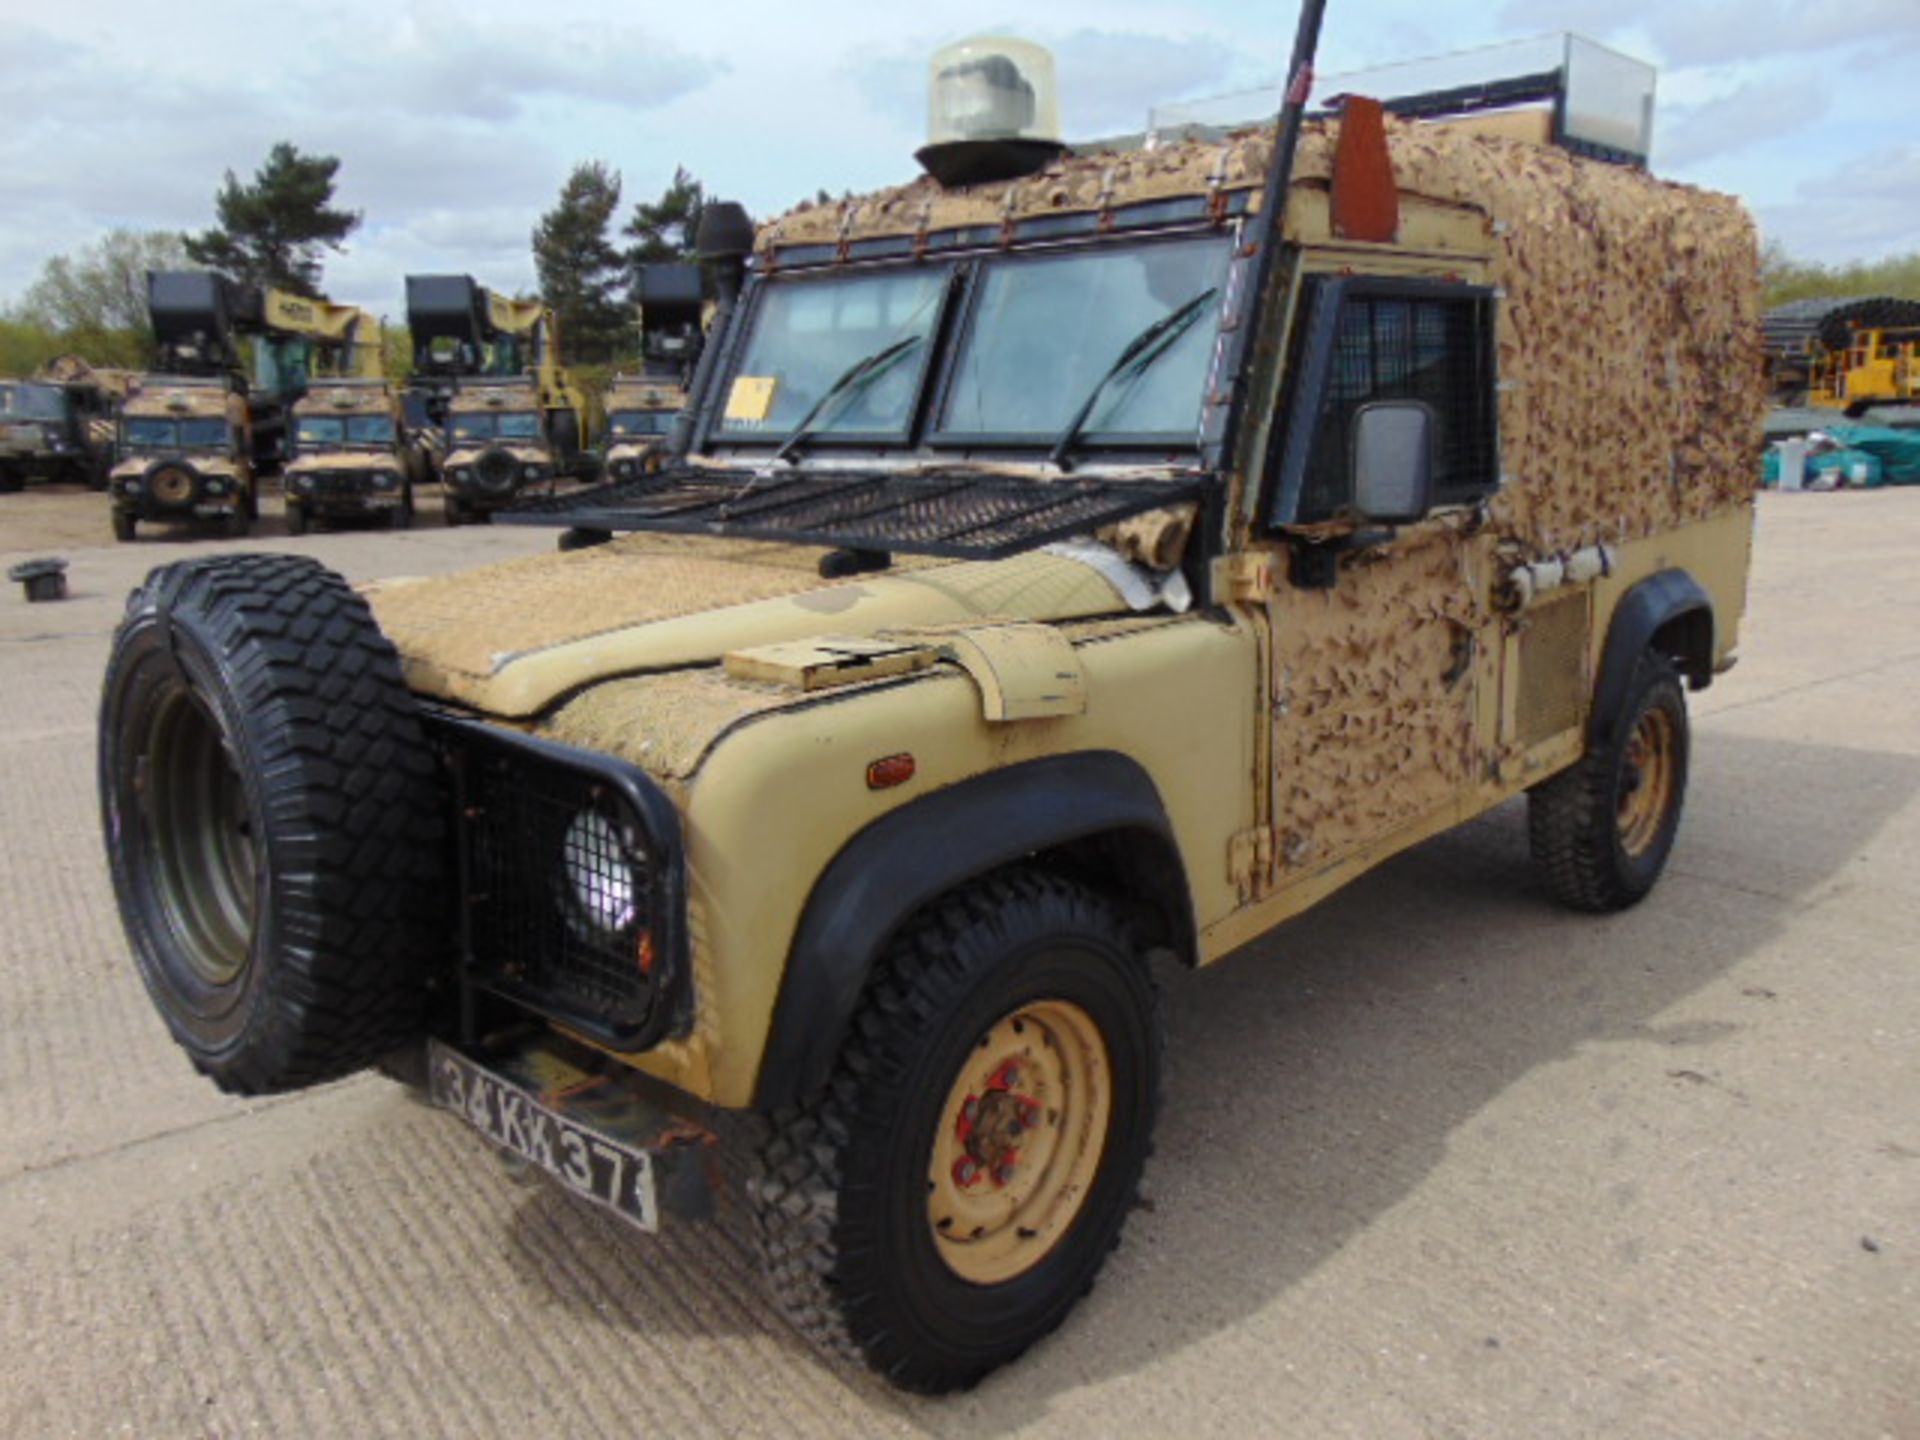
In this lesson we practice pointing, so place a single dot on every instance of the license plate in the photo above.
(585, 1161)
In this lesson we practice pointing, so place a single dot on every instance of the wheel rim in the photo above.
(1647, 779)
(1019, 1141)
(200, 831)
(172, 485)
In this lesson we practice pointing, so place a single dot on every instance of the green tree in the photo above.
(580, 271)
(1789, 279)
(664, 228)
(103, 287)
(277, 229)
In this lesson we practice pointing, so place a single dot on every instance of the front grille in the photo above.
(957, 512)
(571, 887)
(341, 482)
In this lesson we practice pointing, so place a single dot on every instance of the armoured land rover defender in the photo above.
(641, 411)
(351, 456)
(1107, 560)
(184, 452)
(498, 449)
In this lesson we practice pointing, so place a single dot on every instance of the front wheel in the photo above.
(124, 526)
(1601, 831)
(952, 1193)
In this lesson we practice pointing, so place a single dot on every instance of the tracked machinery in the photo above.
(1849, 354)
(487, 374)
(232, 365)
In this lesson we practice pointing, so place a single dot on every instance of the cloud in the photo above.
(1748, 115)
(1866, 207)
(1721, 32)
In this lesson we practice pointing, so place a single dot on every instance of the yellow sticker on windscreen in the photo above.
(751, 399)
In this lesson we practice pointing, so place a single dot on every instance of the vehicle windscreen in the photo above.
(640, 422)
(32, 402)
(808, 333)
(317, 430)
(495, 424)
(163, 432)
(1045, 329)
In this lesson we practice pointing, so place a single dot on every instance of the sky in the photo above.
(456, 121)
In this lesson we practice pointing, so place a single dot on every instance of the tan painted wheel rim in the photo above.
(172, 485)
(1646, 782)
(1019, 1141)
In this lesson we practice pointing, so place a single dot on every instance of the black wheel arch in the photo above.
(1668, 612)
(1093, 815)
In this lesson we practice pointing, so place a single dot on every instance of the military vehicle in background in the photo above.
(231, 362)
(641, 409)
(351, 456)
(184, 451)
(486, 370)
(59, 424)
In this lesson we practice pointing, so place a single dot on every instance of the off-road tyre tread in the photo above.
(798, 1174)
(354, 795)
(1571, 826)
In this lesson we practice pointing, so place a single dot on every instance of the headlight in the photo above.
(132, 486)
(303, 483)
(385, 480)
(463, 473)
(529, 472)
(623, 469)
(603, 878)
(216, 485)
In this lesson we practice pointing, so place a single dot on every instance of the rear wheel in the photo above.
(273, 820)
(953, 1192)
(1601, 831)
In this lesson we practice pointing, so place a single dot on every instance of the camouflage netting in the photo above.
(1629, 334)
(1632, 391)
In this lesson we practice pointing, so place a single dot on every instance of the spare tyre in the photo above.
(273, 820)
(496, 469)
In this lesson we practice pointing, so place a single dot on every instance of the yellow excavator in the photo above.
(487, 372)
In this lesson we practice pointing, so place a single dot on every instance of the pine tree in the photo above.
(664, 229)
(276, 230)
(580, 271)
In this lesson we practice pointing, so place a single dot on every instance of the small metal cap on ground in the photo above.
(43, 579)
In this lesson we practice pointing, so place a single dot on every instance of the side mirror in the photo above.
(1393, 454)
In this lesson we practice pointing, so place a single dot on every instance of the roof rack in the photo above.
(1599, 101)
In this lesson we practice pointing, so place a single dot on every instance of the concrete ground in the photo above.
(1437, 1160)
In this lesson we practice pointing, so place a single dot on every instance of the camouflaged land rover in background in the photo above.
(183, 452)
(497, 449)
(1093, 558)
(351, 456)
(641, 412)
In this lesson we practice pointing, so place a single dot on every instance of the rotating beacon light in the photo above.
(993, 111)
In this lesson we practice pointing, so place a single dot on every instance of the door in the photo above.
(1384, 639)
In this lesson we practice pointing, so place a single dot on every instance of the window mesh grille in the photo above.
(1438, 350)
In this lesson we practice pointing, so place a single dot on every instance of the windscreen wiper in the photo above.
(861, 373)
(1140, 352)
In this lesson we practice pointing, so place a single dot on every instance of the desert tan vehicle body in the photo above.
(351, 456)
(498, 449)
(184, 451)
(855, 787)
(640, 412)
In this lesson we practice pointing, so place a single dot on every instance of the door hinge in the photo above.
(1250, 862)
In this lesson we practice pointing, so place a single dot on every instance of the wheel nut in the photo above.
(965, 1171)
